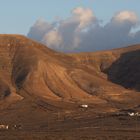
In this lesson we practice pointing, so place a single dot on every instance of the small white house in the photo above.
(4, 127)
(133, 114)
(137, 114)
(84, 106)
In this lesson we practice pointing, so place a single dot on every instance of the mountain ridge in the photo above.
(31, 70)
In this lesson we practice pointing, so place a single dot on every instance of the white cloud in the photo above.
(84, 15)
(53, 39)
(39, 29)
(126, 16)
(82, 31)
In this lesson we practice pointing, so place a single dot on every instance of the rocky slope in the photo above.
(31, 71)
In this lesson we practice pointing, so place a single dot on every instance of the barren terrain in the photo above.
(41, 92)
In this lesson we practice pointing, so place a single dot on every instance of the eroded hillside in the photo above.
(30, 70)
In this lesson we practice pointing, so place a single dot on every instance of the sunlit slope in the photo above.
(31, 70)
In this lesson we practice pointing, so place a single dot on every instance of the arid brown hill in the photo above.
(30, 70)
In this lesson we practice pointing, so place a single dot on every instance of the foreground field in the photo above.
(71, 136)
(104, 127)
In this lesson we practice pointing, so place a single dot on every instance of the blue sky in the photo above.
(17, 16)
